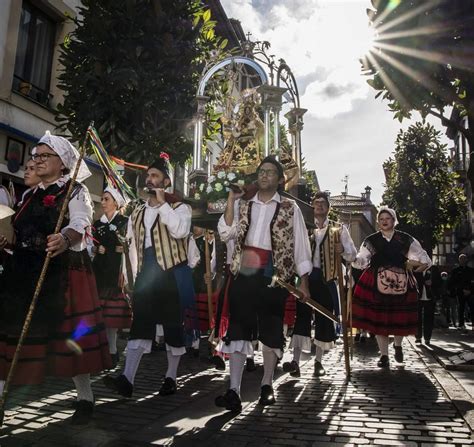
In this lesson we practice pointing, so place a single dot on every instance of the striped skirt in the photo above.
(76, 345)
(384, 314)
(116, 309)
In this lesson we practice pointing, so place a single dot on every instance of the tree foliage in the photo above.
(132, 67)
(421, 185)
(422, 58)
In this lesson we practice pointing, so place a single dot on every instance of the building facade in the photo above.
(31, 32)
(358, 213)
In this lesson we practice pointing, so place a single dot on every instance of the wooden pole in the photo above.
(39, 285)
(207, 253)
(342, 294)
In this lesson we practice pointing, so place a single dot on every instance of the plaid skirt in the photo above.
(384, 314)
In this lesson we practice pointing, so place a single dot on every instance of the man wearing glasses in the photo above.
(322, 284)
(270, 238)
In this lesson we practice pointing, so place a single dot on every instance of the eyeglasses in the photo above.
(267, 172)
(43, 157)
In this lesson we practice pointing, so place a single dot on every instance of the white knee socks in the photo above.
(112, 339)
(319, 354)
(297, 355)
(236, 369)
(382, 341)
(83, 387)
(132, 361)
(398, 340)
(269, 362)
(173, 363)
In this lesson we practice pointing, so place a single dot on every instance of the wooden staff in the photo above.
(349, 307)
(342, 294)
(210, 307)
(39, 285)
(310, 302)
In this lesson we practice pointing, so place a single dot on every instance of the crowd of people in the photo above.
(136, 274)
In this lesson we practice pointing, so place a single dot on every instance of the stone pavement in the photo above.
(407, 405)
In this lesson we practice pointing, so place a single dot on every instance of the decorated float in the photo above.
(242, 98)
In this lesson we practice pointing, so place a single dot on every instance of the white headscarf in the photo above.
(386, 209)
(117, 195)
(67, 153)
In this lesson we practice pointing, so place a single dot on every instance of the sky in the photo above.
(346, 130)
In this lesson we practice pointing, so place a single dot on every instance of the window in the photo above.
(34, 55)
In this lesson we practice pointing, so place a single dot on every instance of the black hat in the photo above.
(161, 164)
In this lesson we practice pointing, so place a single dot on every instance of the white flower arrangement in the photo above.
(217, 186)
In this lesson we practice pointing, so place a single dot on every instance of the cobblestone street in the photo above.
(403, 406)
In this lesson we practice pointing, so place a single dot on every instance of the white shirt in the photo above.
(80, 212)
(415, 253)
(350, 251)
(259, 233)
(178, 222)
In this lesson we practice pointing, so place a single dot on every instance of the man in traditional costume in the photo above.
(385, 298)
(328, 239)
(68, 313)
(270, 238)
(163, 292)
(107, 263)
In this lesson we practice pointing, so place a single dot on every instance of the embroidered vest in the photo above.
(169, 251)
(281, 228)
(327, 253)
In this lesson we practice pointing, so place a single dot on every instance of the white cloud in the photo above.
(313, 37)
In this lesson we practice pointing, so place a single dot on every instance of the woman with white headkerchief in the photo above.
(385, 300)
(107, 261)
(67, 335)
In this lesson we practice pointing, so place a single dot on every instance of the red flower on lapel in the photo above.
(49, 201)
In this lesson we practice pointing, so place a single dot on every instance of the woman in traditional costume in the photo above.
(385, 300)
(67, 335)
(107, 261)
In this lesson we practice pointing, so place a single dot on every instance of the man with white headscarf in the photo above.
(385, 300)
(67, 336)
(108, 249)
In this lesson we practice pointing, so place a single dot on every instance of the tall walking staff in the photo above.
(39, 284)
(349, 308)
(342, 295)
(207, 253)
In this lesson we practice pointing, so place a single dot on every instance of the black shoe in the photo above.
(218, 362)
(418, 341)
(119, 384)
(115, 359)
(292, 368)
(318, 369)
(83, 413)
(428, 342)
(230, 401)
(266, 395)
(383, 362)
(168, 387)
(398, 354)
(250, 365)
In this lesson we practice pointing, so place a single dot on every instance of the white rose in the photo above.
(241, 182)
(197, 196)
(209, 189)
(231, 176)
(201, 187)
(219, 187)
(211, 178)
(221, 174)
